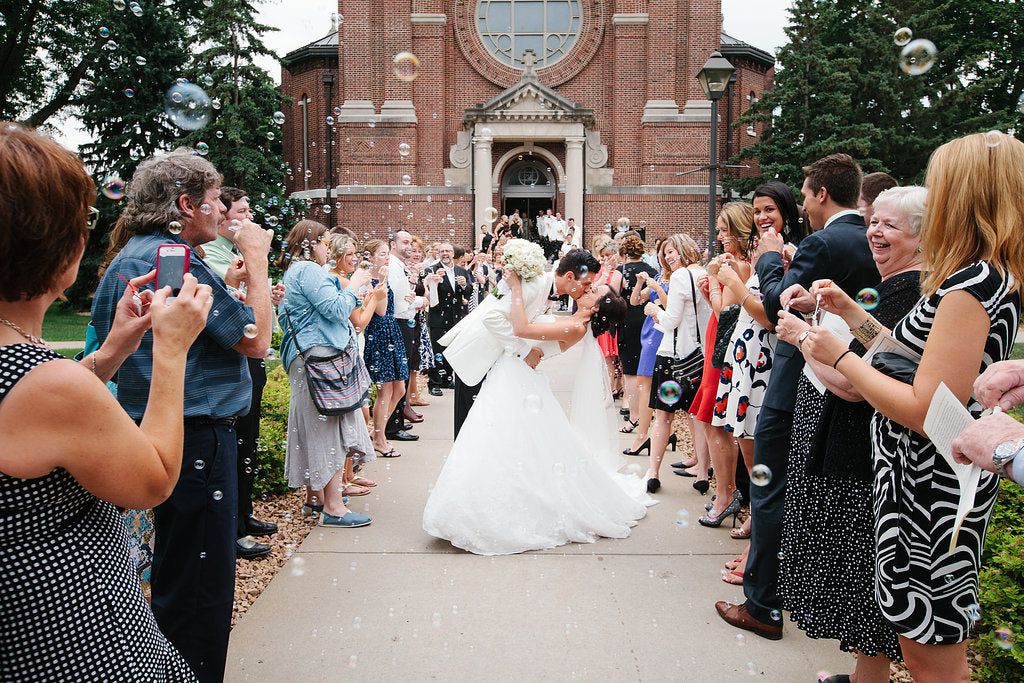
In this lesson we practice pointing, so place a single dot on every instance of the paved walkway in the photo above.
(389, 602)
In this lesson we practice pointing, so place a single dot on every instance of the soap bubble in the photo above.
(918, 56)
(776, 615)
(760, 475)
(404, 149)
(88, 86)
(683, 518)
(205, 209)
(337, 111)
(406, 179)
(217, 495)
(993, 138)
(330, 120)
(406, 66)
(270, 135)
(140, 60)
(279, 117)
(104, 32)
(129, 93)
(902, 36)
(112, 187)
(119, 4)
(436, 619)
(136, 9)
(250, 331)
(1003, 638)
(532, 403)
(202, 149)
(622, 224)
(187, 106)
(174, 227)
(669, 392)
(490, 214)
(199, 464)
(868, 298)
(215, 103)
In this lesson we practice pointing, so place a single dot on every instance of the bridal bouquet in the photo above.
(525, 258)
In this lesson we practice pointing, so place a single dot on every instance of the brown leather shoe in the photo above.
(738, 616)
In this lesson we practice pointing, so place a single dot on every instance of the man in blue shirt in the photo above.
(175, 199)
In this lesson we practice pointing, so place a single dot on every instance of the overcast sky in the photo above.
(758, 22)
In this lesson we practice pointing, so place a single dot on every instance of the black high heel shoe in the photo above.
(702, 486)
(671, 442)
(653, 485)
(645, 446)
(733, 508)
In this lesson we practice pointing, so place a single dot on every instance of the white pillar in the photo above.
(574, 183)
(482, 189)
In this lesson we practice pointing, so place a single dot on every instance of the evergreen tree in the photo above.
(243, 137)
(839, 87)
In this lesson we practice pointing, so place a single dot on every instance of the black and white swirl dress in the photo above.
(929, 594)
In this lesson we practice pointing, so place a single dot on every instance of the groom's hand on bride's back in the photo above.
(533, 357)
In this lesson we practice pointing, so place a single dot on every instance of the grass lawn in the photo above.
(62, 325)
(68, 353)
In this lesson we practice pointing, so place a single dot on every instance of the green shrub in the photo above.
(1000, 634)
(270, 448)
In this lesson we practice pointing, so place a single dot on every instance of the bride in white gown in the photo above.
(521, 476)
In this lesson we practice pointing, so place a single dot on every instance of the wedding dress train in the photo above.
(521, 477)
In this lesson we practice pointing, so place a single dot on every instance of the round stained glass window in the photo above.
(508, 28)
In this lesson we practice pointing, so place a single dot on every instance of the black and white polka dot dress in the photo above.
(71, 605)
(929, 594)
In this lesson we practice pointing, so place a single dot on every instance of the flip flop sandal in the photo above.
(732, 564)
(360, 481)
(733, 577)
(390, 454)
(355, 490)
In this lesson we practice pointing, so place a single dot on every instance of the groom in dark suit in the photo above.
(453, 286)
(837, 250)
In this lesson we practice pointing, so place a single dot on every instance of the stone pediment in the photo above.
(531, 100)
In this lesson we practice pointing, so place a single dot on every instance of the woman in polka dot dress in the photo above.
(71, 606)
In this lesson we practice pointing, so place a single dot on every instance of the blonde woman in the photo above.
(926, 575)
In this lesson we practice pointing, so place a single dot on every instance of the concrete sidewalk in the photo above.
(389, 602)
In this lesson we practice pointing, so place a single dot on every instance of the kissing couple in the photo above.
(522, 475)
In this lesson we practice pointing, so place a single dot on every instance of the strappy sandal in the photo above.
(355, 490)
(733, 577)
(628, 429)
(360, 481)
(390, 454)
(740, 534)
(732, 564)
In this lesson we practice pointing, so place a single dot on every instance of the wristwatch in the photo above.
(1004, 454)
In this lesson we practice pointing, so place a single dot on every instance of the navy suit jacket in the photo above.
(839, 252)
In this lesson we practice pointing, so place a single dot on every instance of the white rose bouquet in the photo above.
(525, 258)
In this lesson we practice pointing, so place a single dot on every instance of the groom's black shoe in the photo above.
(402, 435)
(436, 391)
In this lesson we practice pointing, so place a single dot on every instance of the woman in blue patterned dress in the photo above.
(384, 353)
(926, 574)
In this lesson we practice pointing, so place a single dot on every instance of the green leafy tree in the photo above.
(243, 137)
(839, 87)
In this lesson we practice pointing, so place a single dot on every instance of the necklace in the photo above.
(31, 337)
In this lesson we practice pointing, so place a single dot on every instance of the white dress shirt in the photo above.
(398, 281)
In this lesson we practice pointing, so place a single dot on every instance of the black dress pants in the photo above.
(411, 339)
(761, 576)
(464, 397)
(194, 559)
(441, 374)
(248, 428)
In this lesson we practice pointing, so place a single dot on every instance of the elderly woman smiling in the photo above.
(828, 537)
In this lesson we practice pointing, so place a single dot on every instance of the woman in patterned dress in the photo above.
(628, 335)
(607, 252)
(926, 576)
(385, 352)
(827, 571)
(71, 606)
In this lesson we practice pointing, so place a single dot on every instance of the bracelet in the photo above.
(93, 354)
(841, 356)
(744, 299)
(868, 330)
(714, 294)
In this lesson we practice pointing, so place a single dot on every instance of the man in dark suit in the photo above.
(453, 288)
(838, 249)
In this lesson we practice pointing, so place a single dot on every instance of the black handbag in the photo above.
(687, 371)
(894, 365)
(727, 320)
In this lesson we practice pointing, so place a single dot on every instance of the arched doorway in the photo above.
(530, 186)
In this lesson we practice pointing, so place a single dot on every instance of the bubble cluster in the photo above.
(760, 475)
(867, 298)
(406, 66)
(112, 187)
(918, 56)
(669, 392)
(187, 106)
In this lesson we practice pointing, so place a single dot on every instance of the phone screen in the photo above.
(171, 266)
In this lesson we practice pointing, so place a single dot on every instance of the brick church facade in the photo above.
(588, 107)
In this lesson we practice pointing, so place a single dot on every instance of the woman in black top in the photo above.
(628, 337)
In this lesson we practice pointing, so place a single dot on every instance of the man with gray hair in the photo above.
(452, 287)
(175, 200)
